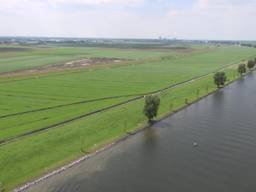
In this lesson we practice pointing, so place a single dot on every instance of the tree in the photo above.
(151, 106)
(250, 64)
(220, 78)
(241, 69)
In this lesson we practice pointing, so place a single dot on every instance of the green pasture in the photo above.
(34, 155)
(20, 57)
(61, 88)
(29, 94)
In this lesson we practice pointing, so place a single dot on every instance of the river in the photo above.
(208, 147)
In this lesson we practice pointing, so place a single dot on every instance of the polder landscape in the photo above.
(62, 101)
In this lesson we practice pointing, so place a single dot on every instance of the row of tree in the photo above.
(220, 78)
(250, 65)
(152, 102)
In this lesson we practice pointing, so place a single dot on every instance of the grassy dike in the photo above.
(31, 157)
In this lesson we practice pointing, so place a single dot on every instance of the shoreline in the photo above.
(115, 142)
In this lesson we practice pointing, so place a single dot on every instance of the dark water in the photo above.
(163, 157)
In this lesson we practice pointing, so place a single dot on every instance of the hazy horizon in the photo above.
(129, 19)
(124, 38)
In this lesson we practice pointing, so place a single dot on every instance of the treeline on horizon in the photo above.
(118, 43)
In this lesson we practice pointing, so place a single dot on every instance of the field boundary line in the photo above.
(9, 140)
(67, 104)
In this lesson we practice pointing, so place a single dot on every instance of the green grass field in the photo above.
(69, 94)
(19, 58)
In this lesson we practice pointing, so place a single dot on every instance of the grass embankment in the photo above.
(32, 156)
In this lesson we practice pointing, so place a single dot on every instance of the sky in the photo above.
(183, 19)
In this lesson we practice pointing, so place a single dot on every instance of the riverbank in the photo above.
(171, 101)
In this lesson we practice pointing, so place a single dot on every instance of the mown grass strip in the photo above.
(65, 105)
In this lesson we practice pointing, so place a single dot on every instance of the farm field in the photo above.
(30, 103)
(14, 58)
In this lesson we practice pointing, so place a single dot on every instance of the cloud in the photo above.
(224, 4)
(215, 19)
(204, 19)
(202, 3)
(18, 3)
(100, 2)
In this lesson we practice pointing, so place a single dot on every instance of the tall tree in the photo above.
(250, 64)
(151, 107)
(241, 69)
(220, 78)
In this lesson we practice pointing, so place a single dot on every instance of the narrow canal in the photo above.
(165, 157)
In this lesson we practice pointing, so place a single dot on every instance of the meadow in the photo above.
(13, 58)
(30, 103)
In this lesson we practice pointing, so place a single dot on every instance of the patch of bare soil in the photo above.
(76, 64)
(92, 61)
